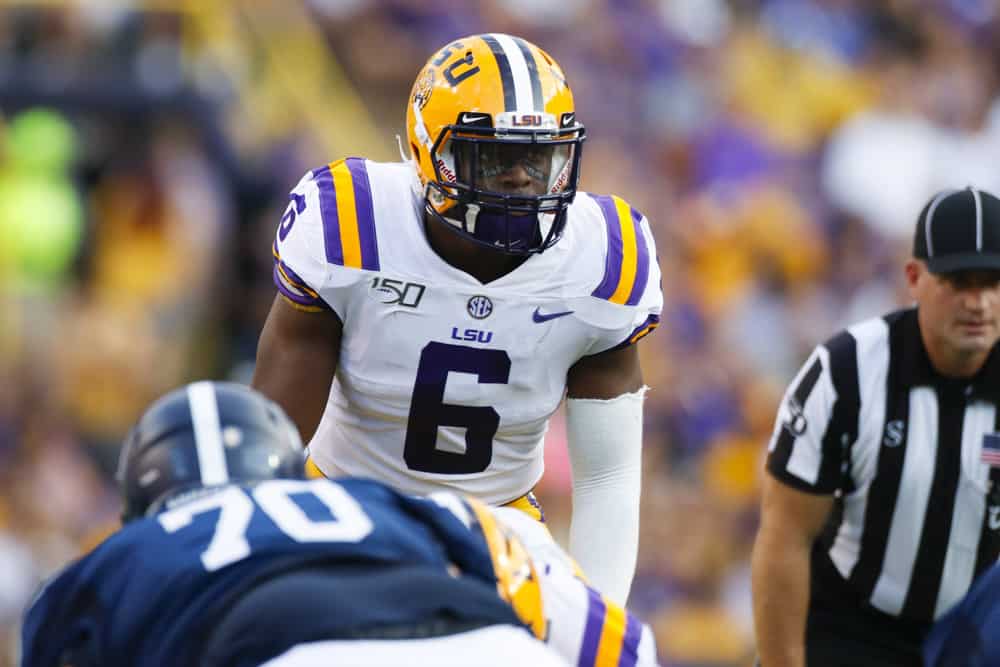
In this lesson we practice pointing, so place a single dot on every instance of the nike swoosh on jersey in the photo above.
(539, 316)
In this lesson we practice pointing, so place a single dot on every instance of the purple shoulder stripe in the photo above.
(641, 261)
(613, 262)
(361, 219)
(366, 213)
(328, 213)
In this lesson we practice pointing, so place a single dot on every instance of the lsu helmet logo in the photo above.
(424, 88)
(527, 120)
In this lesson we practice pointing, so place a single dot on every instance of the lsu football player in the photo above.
(433, 313)
(229, 556)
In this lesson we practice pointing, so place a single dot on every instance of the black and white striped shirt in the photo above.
(870, 421)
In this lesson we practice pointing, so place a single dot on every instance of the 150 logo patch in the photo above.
(391, 292)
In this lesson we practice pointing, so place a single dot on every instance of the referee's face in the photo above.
(959, 311)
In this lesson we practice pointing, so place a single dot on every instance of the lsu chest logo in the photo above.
(471, 335)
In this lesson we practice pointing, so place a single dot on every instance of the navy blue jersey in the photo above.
(149, 593)
(969, 634)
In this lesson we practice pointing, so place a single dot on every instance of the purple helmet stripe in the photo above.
(642, 261)
(613, 263)
(506, 76)
(630, 644)
(366, 213)
(592, 630)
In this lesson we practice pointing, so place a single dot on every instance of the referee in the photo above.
(880, 508)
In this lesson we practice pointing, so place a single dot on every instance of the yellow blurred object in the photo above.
(730, 471)
(720, 267)
(763, 230)
(124, 364)
(794, 97)
(136, 259)
(778, 228)
(703, 634)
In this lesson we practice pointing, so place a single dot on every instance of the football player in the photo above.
(969, 634)
(229, 556)
(433, 313)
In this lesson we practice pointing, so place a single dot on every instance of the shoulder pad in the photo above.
(345, 201)
(628, 256)
(599, 313)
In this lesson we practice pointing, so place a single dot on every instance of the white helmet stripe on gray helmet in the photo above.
(207, 433)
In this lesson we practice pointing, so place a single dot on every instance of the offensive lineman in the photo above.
(422, 337)
(230, 557)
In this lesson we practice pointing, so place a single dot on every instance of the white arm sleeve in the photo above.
(605, 449)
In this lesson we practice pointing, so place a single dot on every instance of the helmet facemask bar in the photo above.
(466, 158)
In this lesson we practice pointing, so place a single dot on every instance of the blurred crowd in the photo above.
(780, 148)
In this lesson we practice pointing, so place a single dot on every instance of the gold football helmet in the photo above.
(493, 134)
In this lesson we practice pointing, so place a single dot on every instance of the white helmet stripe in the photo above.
(524, 97)
(207, 433)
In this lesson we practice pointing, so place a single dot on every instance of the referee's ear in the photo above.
(914, 270)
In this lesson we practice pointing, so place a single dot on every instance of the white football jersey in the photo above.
(444, 382)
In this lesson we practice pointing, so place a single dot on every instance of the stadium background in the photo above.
(781, 149)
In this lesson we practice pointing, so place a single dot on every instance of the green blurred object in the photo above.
(40, 139)
(41, 217)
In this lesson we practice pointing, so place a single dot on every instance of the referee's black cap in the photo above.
(959, 230)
